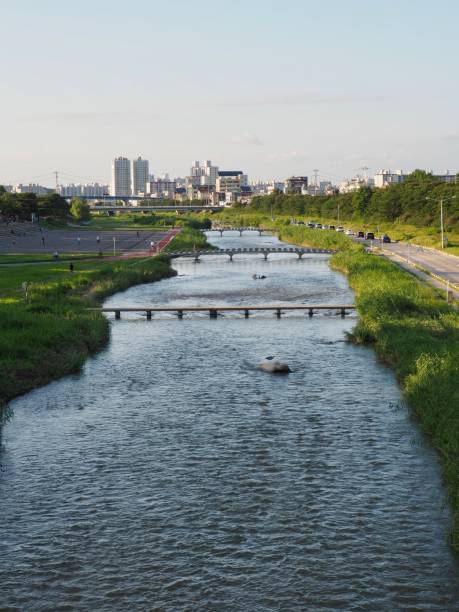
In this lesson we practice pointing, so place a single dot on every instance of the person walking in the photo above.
(43, 240)
(71, 267)
(78, 240)
(138, 234)
(98, 239)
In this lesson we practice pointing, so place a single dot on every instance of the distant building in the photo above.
(386, 177)
(203, 173)
(73, 190)
(121, 177)
(140, 175)
(446, 177)
(161, 189)
(296, 184)
(32, 188)
(231, 181)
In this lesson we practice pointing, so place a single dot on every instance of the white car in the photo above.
(340, 228)
(350, 232)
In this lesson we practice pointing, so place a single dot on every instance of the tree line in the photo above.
(415, 201)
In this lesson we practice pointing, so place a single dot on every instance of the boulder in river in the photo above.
(272, 366)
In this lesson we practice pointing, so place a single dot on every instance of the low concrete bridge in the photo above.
(265, 251)
(214, 310)
(236, 229)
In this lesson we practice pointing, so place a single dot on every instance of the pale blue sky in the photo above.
(270, 87)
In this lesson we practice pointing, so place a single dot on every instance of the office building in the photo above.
(296, 184)
(121, 177)
(140, 175)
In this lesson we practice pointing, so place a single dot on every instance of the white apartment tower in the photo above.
(203, 173)
(140, 175)
(121, 177)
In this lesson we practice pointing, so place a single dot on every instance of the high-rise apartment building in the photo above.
(140, 175)
(203, 173)
(121, 177)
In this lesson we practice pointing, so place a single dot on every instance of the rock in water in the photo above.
(275, 367)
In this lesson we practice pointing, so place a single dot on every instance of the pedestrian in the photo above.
(152, 246)
(43, 240)
(78, 240)
(71, 267)
(98, 239)
(56, 255)
(138, 234)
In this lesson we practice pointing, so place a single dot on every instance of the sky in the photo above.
(270, 87)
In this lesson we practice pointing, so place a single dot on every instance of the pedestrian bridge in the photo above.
(265, 251)
(214, 310)
(236, 229)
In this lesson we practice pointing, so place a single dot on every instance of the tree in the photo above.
(80, 210)
(54, 206)
(361, 200)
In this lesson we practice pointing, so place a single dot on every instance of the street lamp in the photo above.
(442, 228)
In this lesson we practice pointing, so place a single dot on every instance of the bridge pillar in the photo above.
(246, 314)
(278, 313)
(180, 314)
(259, 232)
(265, 255)
(196, 258)
(343, 313)
(231, 256)
(221, 233)
(117, 314)
(300, 254)
(310, 312)
(148, 315)
(240, 232)
(213, 314)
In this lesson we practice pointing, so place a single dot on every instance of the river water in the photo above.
(172, 474)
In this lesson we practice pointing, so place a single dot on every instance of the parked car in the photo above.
(332, 227)
(319, 225)
(350, 232)
(385, 238)
(370, 236)
(311, 225)
(325, 227)
(340, 228)
(360, 234)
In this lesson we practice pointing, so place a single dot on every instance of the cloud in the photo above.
(247, 139)
(288, 156)
(300, 99)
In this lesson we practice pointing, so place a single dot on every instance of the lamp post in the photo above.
(442, 227)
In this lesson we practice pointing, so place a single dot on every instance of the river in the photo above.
(172, 474)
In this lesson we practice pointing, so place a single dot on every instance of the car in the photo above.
(340, 228)
(332, 227)
(319, 225)
(311, 225)
(360, 234)
(370, 236)
(385, 238)
(350, 232)
(325, 227)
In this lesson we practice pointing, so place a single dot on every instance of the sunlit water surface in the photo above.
(172, 474)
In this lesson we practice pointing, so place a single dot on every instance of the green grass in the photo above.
(188, 239)
(53, 333)
(18, 258)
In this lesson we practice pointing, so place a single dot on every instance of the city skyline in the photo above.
(278, 92)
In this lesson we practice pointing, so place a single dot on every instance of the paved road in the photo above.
(66, 241)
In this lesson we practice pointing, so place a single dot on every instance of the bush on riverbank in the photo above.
(52, 334)
(188, 239)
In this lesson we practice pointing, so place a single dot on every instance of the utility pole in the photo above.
(56, 174)
(441, 223)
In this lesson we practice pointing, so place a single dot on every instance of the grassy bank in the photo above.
(52, 333)
(189, 239)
